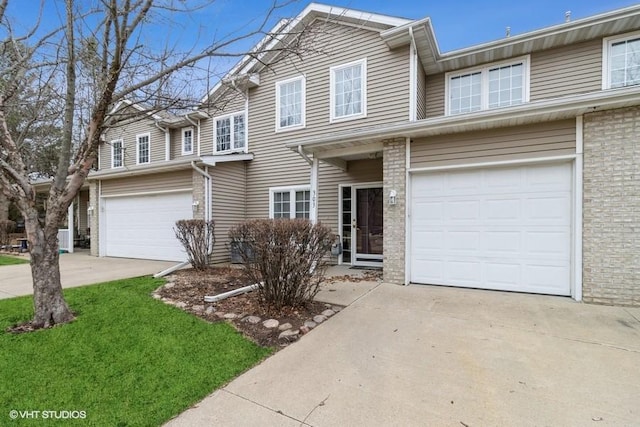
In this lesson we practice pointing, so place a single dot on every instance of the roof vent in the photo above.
(507, 32)
(567, 16)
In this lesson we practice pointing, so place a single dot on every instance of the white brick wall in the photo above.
(611, 212)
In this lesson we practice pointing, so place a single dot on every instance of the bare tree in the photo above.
(97, 57)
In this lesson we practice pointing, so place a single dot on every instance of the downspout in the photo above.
(207, 196)
(167, 141)
(304, 155)
(413, 78)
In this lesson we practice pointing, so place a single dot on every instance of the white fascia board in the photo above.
(134, 105)
(532, 111)
(213, 160)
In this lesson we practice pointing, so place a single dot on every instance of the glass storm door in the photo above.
(366, 226)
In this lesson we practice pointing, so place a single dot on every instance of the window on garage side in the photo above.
(187, 141)
(621, 65)
(116, 153)
(492, 86)
(230, 134)
(143, 149)
(290, 202)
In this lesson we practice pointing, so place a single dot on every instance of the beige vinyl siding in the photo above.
(435, 96)
(387, 101)
(522, 142)
(176, 143)
(127, 132)
(567, 70)
(227, 204)
(180, 180)
(83, 204)
(421, 88)
(358, 171)
(231, 102)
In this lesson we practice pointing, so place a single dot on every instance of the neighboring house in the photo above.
(511, 165)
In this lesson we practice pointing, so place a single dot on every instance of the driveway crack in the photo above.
(322, 403)
(277, 411)
(631, 314)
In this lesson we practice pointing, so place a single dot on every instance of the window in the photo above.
(187, 141)
(116, 153)
(493, 86)
(290, 103)
(349, 91)
(143, 152)
(290, 202)
(622, 62)
(230, 133)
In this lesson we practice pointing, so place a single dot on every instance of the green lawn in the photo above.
(10, 260)
(127, 360)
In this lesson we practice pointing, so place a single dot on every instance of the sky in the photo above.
(457, 23)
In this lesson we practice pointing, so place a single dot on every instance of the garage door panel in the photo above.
(142, 226)
(509, 229)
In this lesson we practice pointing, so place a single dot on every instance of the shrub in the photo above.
(6, 227)
(197, 237)
(286, 255)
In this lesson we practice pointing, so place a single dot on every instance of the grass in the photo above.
(127, 360)
(10, 260)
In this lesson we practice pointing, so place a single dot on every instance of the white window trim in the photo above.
(182, 131)
(121, 141)
(606, 52)
(303, 101)
(292, 189)
(141, 135)
(484, 84)
(246, 133)
(363, 114)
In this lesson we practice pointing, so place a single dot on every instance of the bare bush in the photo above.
(286, 255)
(197, 237)
(6, 227)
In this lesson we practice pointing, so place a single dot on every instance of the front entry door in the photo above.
(366, 226)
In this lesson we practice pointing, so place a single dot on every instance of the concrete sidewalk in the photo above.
(426, 355)
(78, 269)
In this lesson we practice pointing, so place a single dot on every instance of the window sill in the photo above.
(347, 118)
(290, 128)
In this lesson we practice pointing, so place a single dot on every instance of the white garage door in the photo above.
(495, 228)
(142, 226)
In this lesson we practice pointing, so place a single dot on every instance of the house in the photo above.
(510, 165)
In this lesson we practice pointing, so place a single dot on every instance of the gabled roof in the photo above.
(433, 61)
(245, 72)
(159, 115)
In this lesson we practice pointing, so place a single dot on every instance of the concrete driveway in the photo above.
(77, 269)
(436, 356)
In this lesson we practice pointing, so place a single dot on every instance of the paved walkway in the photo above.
(77, 269)
(427, 355)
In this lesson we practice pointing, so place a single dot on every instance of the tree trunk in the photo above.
(49, 305)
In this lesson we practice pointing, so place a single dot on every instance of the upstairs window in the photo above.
(290, 202)
(230, 133)
(349, 90)
(116, 154)
(622, 62)
(290, 104)
(143, 149)
(187, 141)
(492, 86)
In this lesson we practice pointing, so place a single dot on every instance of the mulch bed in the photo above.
(186, 289)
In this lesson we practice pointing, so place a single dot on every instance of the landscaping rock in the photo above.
(304, 330)
(156, 296)
(210, 309)
(310, 324)
(289, 335)
(285, 326)
(230, 316)
(319, 318)
(336, 309)
(271, 323)
(254, 320)
(198, 308)
(328, 313)
(220, 314)
(181, 304)
(169, 285)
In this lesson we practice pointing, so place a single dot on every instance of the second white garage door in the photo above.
(495, 228)
(142, 226)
